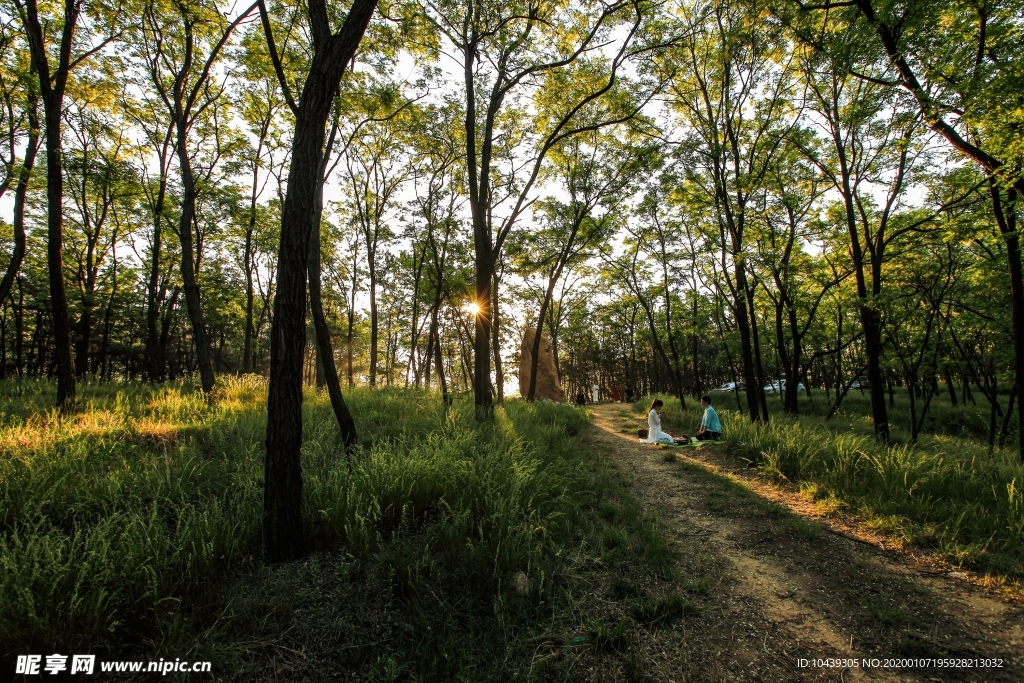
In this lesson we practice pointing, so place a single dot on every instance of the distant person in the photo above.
(617, 394)
(629, 394)
(710, 426)
(655, 433)
(581, 398)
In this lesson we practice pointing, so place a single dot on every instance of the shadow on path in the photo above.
(794, 586)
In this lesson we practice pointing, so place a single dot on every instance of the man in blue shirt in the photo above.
(710, 427)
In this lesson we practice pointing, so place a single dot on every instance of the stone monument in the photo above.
(548, 385)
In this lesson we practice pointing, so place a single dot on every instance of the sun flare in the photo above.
(472, 308)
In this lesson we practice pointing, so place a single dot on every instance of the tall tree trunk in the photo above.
(870, 317)
(948, 377)
(755, 338)
(698, 385)
(155, 356)
(753, 389)
(871, 321)
(371, 262)
(1005, 429)
(499, 378)
(19, 327)
(85, 329)
(792, 404)
(1006, 219)
(190, 283)
(184, 112)
(66, 394)
(676, 365)
(283, 536)
(349, 336)
(156, 352)
(20, 193)
(479, 191)
(414, 328)
(52, 87)
(325, 351)
(438, 358)
(249, 293)
(482, 328)
(535, 351)
(250, 266)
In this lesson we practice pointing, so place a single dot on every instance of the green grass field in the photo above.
(132, 528)
(947, 492)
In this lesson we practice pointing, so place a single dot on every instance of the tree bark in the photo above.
(499, 379)
(20, 193)
(1006, 219)
(438, 358)
(156, 363)
(870, 317)
(52, 86)
(753, 390)
(283, 537)
(374, 331)
(190, 284)
(479, 192)
(325, 351)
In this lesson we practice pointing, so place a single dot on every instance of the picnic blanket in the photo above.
(692, 444)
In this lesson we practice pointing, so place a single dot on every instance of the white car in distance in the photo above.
(778, 386)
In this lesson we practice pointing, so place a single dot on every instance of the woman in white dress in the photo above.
(655, 433)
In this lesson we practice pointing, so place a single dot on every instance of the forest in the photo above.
(286, 251)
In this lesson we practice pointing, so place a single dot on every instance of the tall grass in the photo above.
(948, 493)
(120, 522)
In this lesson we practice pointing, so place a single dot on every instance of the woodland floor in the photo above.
(793, 582)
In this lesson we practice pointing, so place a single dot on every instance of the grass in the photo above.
(446, 549)
(947, 492)
(122, 523)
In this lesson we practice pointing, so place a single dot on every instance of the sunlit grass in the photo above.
(947, 492)
(123, 523)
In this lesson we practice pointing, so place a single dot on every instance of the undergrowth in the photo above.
(129, 526)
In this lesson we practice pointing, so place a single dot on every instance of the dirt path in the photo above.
(797, 585)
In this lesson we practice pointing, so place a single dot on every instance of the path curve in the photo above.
(804, 585)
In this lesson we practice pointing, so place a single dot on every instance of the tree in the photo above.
(436, 182)
(961, 64)
(53, 83)
(506, 50)
(99, 181)
(732, 85)
(873, 147)
(261, 106)
(283, 537)
(597, 169)
(375, 170)
(798, 283)
(174, 40)
(20, 116)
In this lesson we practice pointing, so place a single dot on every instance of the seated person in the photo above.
(656, 435)
(710, 426)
